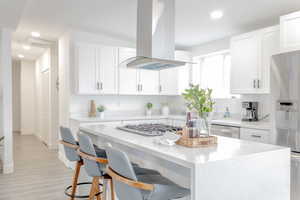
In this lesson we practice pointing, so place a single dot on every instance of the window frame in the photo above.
(199, 60)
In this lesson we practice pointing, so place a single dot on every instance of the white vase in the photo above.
(148, 112)
(165, 111)
(101, 115)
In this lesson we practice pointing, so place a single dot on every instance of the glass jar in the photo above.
(198, 127)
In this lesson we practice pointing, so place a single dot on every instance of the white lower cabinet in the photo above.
(256, 135)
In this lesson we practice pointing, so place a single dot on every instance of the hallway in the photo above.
(39, 174)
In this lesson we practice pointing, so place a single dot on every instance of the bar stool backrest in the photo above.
(92, 168)
(119, 162)
(68, 137)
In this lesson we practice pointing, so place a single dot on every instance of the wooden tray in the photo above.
(197, 142)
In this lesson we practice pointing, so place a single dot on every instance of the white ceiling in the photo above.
(10, 12)
(118, 18)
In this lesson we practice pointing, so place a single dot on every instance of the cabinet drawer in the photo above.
(255, 135)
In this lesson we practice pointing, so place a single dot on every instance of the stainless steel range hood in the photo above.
(155, 36)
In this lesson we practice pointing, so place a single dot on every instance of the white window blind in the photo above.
(213, 71)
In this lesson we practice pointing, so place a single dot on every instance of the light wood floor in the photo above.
(38, 173)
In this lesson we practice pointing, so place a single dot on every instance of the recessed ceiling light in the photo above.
(26, 47)
(35, 34)
(21, 56)
(216, 14)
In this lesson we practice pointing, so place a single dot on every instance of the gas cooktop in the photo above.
(149, 129)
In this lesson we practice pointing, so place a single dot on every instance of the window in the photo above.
(213, 71)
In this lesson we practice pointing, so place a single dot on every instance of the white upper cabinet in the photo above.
(96, 69)
(251, 54)
(86, 70)
(269, 46)
(107, 62)
(245, 61)
(128, 78)
(290, 32)
(168, 81)
(148, 82)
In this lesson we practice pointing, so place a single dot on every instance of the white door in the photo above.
(168, 80)
(107, 65)
(269, 46)
(128, 78)
(290, 32)
(245, 53)
(149, 82)
(87, 74)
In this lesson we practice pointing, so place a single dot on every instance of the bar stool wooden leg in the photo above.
(112, 190)
(75, 179)
(97, 190)
(92, 191)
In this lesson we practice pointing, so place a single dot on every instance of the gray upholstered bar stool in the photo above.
(70, 146)
(130, 186)
(94, 165)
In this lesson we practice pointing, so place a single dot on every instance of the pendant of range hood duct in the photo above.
(155, 36)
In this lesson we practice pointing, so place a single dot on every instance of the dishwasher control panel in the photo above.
(226, 131)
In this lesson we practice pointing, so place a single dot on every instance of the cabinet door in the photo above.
(269, 47)
(245, 53)
(290, 32)
(256, 135)
(168, 80)
(86, 69)
(127, 77)
(107, 64)
(184, 72)
(149, 82)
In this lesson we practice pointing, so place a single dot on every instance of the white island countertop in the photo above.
(263, 125)
(234, 169)
(227, 148)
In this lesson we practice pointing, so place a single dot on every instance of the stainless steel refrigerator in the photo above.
(285, 98)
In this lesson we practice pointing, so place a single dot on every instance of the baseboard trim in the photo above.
(8, 168)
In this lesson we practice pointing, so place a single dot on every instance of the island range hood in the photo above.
(155, 36)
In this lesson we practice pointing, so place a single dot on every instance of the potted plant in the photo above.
(165, 111)
(149, 107)
(101, 110)
(199, 100)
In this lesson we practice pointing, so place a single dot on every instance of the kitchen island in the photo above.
(232, 170)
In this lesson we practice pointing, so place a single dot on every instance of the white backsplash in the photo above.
(135, 105)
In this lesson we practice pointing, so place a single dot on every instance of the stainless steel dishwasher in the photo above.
(226, 131)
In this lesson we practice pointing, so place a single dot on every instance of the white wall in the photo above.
(16, 78)
(28, 100)
(6, 99)
(210, 47)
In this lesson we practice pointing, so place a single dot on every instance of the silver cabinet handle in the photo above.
(256, 136)
(254, 83)
(160, 88)
(258, 83)
(101, 86)
(141, 87)
(98, 86)
(138, 87)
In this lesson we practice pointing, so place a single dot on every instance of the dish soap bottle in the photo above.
(227, 113)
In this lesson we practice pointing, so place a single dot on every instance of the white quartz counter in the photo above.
(263, 125)
(227, 148)
(234, 169)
